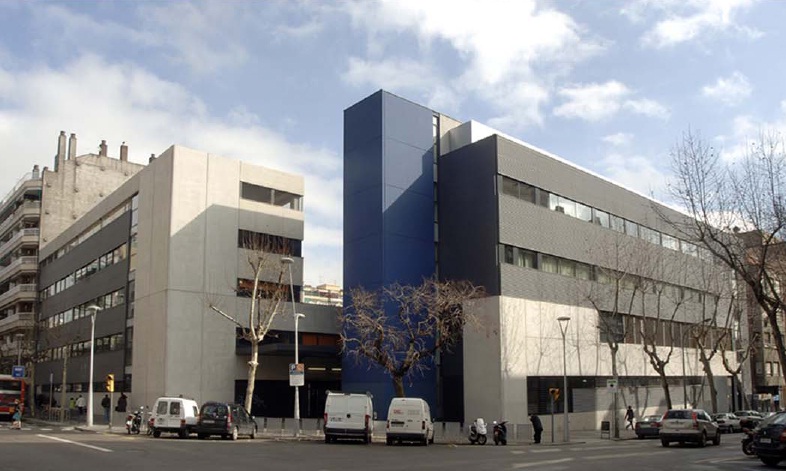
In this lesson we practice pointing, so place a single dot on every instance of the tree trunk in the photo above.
(252, 375)
(665, 385)
(711, 380)
(398, 385)
(614, 349)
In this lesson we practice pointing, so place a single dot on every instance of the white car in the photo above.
(174, 415)
(688, 425)
(349, 416)
(727, 422)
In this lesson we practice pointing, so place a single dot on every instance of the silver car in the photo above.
(727, 422)
(689, 425)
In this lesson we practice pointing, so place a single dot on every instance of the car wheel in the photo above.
(716, 440)
(481, 440)
(702, 440)
(233, 436)
(182, 434)
(640, 437)
(156, 433)
(327, 438)
(665, 443)
(388, 441)
(769, 461)
(253, 433)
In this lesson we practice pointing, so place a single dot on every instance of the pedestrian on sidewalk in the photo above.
(81, 405)
(629, 415)
(17, 417)
(106, 403)
(122, 403)
(537, 427)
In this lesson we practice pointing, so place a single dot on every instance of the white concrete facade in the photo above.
(519, 338)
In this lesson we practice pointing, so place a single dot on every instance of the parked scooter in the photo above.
(134, 422)
(500, 433)
(477, 432)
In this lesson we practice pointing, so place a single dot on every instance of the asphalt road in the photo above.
(41, 448)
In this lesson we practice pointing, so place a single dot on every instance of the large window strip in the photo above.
(569, 207)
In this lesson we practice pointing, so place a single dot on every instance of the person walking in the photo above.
(106, 403)
(537, 427)
(80, 404)
(629, 415)
(122, 403)
(17, 417)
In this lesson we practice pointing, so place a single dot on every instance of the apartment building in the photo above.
(427, 194)
(145, 263)
(40, 206)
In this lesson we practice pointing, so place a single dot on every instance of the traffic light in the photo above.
(554, 393)
(110, 382)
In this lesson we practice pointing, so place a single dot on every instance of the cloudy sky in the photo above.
(607, 85)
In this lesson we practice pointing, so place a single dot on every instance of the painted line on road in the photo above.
(624, 455)
(546, 450)
(539, 463)
(106, 450)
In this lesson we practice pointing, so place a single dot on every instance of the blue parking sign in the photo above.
(18, 371)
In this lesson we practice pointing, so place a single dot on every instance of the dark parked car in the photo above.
(224, 419)
(770, 440)
(648, 426)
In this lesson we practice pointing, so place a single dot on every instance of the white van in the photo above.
(174, 415)
(349, 416)
(409, 419)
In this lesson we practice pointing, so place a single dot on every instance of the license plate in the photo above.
(765, 440)
(334, 419)
(208, 421)
(397, 424)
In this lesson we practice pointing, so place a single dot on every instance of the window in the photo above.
(583, 271)
(670, 242)
(263, 194)
(269, 243)
(617, 223)
(602, 219)
(524, 258)
(583, 212)
(649, 235)
(611, 327)
(631, 228)
(548, 263)
(567, 267)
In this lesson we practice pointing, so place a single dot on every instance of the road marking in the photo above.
(539, 463)
(623, 455)
(546, 450)
(518, 452)
(76, 443)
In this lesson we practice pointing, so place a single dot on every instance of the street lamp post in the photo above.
(93, 310)
(563, 327)
(19, 336)
(296, 316)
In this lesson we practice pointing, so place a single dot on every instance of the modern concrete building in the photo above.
(426, 194)
(150, 257)
(325, 294)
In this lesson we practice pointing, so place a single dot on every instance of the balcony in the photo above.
(19, 265)
(29, 236)
(28, 208)
(20, 320)
(22, 292)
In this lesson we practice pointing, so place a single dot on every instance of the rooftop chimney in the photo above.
(61, 150)
(72, 147)
(152, 158)
(123, 152)
(102, 148)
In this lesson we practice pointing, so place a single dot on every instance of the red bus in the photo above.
(10, 389)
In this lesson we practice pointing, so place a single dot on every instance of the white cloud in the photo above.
(122, 102)
(635, 172)
(500, 47)
(689, 19)
(391, 74)
(619, 139)
(599, 101)
(730, 90)
(647, 107)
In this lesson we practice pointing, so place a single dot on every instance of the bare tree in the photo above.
(263, 255)
(400, 328)
(724, 198)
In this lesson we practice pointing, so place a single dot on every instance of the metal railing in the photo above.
(16, 264)
(26, 288)
(28, 177)
(35, 206)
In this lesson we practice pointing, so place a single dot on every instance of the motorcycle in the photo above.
(477, 432)
(747, 442)
(500, 433)
(134, 422)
